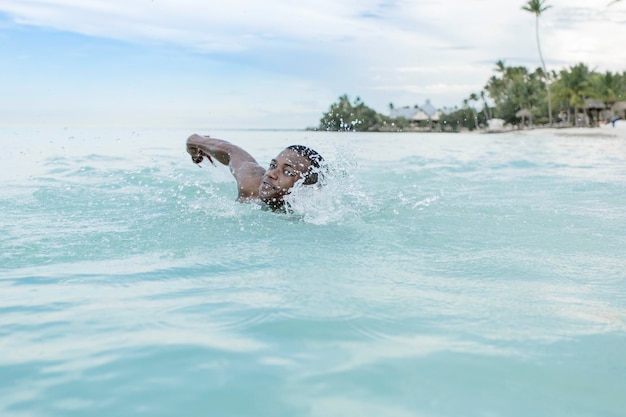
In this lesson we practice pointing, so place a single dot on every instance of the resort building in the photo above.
(425, 113)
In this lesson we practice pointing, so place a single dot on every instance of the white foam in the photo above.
(336, 197)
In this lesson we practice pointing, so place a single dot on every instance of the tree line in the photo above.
(538, 96)
(516, 94)
(513, 94)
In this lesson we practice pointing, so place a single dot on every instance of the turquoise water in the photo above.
(434, 275)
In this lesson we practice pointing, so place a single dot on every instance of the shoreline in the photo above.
(606, 130)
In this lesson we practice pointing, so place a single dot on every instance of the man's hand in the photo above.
(202, 154)
(197, 154)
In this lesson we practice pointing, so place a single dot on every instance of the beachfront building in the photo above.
(619, 109)
(591, 113)
(431, 111)
(417, 115)
(403, 112)
(594, 111)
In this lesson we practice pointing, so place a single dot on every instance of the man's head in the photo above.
(292, 164)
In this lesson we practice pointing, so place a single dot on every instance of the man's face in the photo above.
(284, 171)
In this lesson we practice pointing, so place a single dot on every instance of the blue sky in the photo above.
(203, 64)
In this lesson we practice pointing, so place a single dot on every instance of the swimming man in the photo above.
(254, 183)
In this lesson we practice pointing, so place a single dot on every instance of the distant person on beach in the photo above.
(255, 183)
(613, 120)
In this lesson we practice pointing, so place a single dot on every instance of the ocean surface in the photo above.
(433, 275)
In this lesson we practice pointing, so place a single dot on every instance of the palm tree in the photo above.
(474, 97)
(608, 87)
(574, 86)
(537, 7)
(485, 106)
(500, 67)
(496, 89)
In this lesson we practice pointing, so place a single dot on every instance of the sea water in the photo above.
(432, 275)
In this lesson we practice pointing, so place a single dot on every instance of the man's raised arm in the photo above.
(225, 152)
(243, 166)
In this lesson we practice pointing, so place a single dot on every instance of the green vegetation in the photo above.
(515, 88)
(514, 94)
(517, 96)
(346, 116)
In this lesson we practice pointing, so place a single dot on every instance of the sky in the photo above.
(275, 64)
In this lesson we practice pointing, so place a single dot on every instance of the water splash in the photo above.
(337, 197)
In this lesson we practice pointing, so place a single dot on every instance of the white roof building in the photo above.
(418, 114)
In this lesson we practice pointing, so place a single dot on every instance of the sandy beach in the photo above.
(605, 130)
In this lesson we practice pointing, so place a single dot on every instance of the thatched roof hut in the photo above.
(619, 108)
(525, 114)
(594, 104)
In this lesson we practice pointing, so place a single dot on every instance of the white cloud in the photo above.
(381, 50)
(385, 27)
(429, 89)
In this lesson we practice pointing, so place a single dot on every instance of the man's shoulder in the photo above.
(249, 169)
(249, 175)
